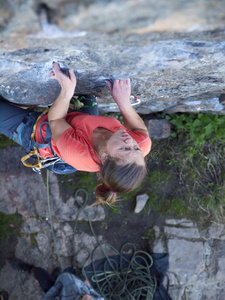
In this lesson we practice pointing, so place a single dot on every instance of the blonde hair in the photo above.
(118, 179)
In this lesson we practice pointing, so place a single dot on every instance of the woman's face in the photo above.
(124, 148)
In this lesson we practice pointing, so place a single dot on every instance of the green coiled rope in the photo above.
(135, 282)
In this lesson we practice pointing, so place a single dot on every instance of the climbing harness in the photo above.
(129, 278)
(34, 152)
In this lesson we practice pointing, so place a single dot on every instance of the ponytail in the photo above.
(118, 178)
(104, 194)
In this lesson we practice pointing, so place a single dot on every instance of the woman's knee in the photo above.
(10, 118)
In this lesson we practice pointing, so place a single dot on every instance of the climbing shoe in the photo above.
(87, 100)
(20, 265)
(4, 295)
(55, 273)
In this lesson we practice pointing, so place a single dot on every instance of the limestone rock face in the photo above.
(195, 258)
(24, 191)
(173, 52)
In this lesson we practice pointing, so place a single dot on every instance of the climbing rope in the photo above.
(128, 279)
(50, 220)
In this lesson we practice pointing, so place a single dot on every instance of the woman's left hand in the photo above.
(120, 91)
(67, 83)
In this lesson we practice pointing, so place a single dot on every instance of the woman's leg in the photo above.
(10, 117)
(17, 123)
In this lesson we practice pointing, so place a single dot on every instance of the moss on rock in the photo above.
(9, 225)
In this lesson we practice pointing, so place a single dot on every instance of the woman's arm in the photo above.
(121, 91)
(59, 109)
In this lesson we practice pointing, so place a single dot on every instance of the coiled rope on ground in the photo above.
(129, 277)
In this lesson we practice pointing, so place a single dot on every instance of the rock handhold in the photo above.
(158, 128)
(140, 202)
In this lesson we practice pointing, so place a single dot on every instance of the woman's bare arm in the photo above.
(121, 91)
(59, 109)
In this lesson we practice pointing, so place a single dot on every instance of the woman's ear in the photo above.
(103, 157)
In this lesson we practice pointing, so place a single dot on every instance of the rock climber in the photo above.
(83, 139)
(66, 286)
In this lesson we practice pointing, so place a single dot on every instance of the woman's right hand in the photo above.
(120, 91)
(68, 84)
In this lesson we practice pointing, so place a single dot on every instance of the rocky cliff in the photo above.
(172, 51)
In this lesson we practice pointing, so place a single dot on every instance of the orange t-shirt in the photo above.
(75, 145)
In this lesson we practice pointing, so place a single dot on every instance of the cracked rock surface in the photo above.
(176, 63)
(173, 51)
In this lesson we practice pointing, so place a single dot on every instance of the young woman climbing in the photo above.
(89, 142)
